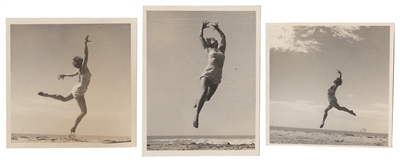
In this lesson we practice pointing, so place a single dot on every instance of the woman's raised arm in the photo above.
(203, 41)
(222, 46)
(85, 60)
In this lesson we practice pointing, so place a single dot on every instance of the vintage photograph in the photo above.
(71, 82)
(201, 81)
(330, 84)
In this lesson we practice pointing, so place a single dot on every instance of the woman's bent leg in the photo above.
(337, 106)
(325, 116)
(82, 105)
(205, 83)
(57, 97)
(211, 91)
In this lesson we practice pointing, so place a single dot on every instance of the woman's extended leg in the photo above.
(337, 106)
(57, 97)
(205, 84)
(211, 91)
(82, 105)
(325, 116)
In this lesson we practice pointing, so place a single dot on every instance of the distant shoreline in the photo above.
(202, 136)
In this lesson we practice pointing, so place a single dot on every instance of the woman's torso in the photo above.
(331, 93)
(216, 58)
(84, 77)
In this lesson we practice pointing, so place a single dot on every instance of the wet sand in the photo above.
(282, 135)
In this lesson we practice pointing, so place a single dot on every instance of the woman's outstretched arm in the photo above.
(222, 46)
(62, 76)
(203, 41)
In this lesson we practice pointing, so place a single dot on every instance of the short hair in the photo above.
(78, 60)
(208, 40)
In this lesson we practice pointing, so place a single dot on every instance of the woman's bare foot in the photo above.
(196, 122)
(42, 94)
(72, 135)
(73, 130)
(195, 103)
(352, 113)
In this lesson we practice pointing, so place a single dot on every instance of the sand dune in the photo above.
(281, 135)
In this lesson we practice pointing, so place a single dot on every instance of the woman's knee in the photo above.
(84, 112)
(204, 94)
(62, 98)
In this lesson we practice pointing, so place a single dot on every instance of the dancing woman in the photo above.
(333, 103)
(212, 74)
(80, 88)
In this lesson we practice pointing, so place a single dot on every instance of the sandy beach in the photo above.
(282, 135)
(32, 138)
(200, 146)
(201, 143)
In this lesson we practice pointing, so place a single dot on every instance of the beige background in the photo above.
(271, 12)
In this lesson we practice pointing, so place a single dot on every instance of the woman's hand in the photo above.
(61, 76)
(205, 24)
(87, 39)
(339, 72)
(215, 25)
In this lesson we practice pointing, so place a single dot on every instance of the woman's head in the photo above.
(77, 62)
(338, 81)
(212, 42)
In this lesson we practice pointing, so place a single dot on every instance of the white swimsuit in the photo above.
(81, 87)
(214, 74)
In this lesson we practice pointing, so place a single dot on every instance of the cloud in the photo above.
(284, 38)
(305, 39)
(346, 32)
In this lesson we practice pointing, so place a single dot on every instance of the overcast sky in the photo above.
(175, 60)
(39, 52)
(303, 64)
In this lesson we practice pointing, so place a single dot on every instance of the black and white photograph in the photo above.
(196, 81)
(331, 84)
(70, 83)
(201, 81)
